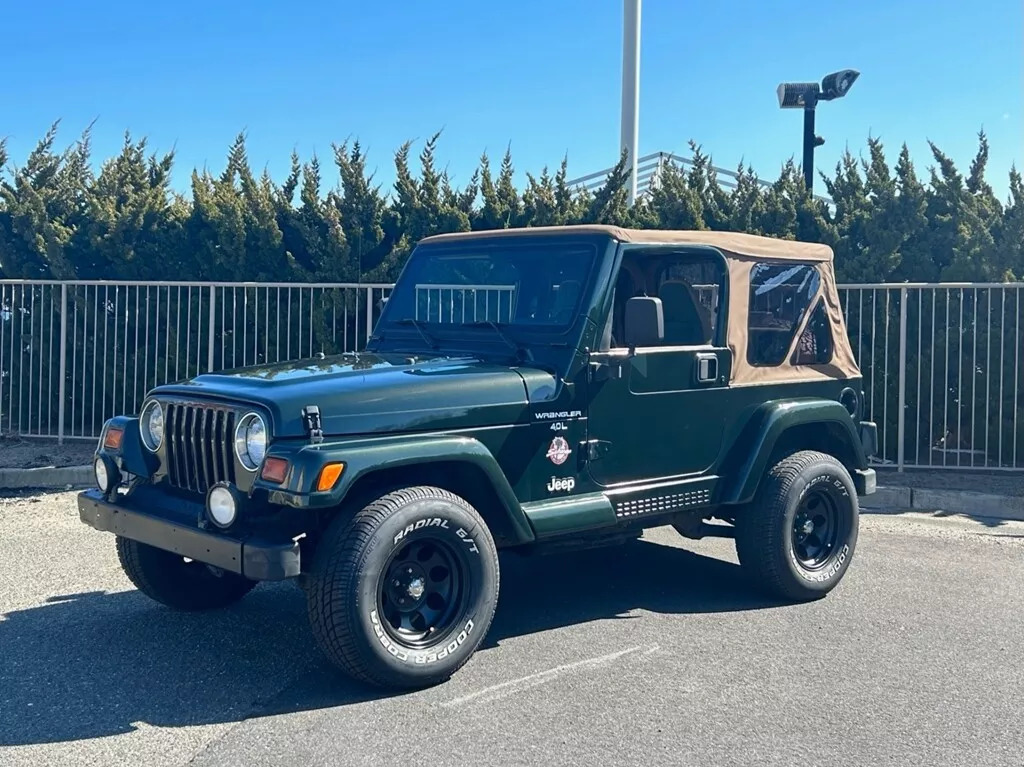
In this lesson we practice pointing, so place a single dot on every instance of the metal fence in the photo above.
(75, 353)
(649, 169)
(941, 366)
(941, 362)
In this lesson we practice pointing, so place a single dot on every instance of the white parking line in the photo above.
(541, 677)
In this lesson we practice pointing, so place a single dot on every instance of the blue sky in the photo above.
(543, 76)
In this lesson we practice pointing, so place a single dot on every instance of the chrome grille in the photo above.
(199, 452)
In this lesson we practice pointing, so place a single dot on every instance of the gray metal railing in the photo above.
(941, 365)
(648, 174)
(75, 353)
(451, 304)
(941, 362)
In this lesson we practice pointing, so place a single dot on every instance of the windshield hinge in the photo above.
(311, 422)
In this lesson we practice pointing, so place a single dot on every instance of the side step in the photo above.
(579, 542)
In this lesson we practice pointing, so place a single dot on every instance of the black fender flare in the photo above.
(757, 442)
(364, 457)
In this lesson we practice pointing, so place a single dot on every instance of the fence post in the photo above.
(369, 315)
(63, 364)
(901, 414)
(213, 318)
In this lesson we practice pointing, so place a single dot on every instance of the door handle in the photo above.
(707, 367)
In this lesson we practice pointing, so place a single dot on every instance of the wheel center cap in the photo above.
(416, 588)
(807, 527)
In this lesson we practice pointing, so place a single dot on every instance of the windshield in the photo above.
(534, 287)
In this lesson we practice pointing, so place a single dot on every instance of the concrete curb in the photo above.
(966, 502)
(46, 477)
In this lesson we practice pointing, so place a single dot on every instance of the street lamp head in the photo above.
(837, 84)
(797, 95)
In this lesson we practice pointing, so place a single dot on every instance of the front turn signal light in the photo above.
(329, 476)
(112, 439)
(274, 470)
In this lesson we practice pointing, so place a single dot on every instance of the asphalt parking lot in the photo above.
(649, 654)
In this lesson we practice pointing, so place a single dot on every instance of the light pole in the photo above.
(630, 125)
(807, 96)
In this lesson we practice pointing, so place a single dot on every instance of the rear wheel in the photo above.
(797, 539)
(177, 582)
(402, 594)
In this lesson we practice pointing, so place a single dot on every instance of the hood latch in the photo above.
(311, 422)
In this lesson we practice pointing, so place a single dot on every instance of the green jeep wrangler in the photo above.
(529, 389)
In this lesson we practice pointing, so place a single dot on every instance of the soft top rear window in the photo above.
(780, 297)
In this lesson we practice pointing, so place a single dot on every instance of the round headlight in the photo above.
(151, 425)
(251, 441)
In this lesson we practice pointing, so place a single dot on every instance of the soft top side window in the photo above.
(690, 286)
(815, 346)
(780, 297)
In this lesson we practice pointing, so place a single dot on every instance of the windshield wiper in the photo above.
(430, 341)
(518, 347)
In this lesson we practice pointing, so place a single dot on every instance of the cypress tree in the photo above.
(59, 219)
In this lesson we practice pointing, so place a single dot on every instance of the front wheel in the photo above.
(798, 537)
(174, 581)
(402, 594)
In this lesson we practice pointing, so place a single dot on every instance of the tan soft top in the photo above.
(742, 252)
(771, 248)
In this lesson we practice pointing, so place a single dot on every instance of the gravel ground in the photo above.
(18, 453)
(996, 483)
(649, 654)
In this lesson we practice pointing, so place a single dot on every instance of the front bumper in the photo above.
(869, 438)
(255, 559)
(864, 481)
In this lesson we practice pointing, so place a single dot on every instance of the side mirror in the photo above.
(645, 322)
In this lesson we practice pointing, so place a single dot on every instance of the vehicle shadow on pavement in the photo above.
(98, 664)
(557, 590)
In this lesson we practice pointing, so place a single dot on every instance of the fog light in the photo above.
(108, 475)
(222, 505)
(102, 475)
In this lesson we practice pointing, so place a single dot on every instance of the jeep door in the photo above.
(661, 412)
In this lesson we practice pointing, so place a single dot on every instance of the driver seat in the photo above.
(686, 321)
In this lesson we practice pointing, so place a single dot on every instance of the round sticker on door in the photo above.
(559, 451)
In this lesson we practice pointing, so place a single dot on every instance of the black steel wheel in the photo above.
(797, 538)
(818, 528)
(422, 591)
(402, 594)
